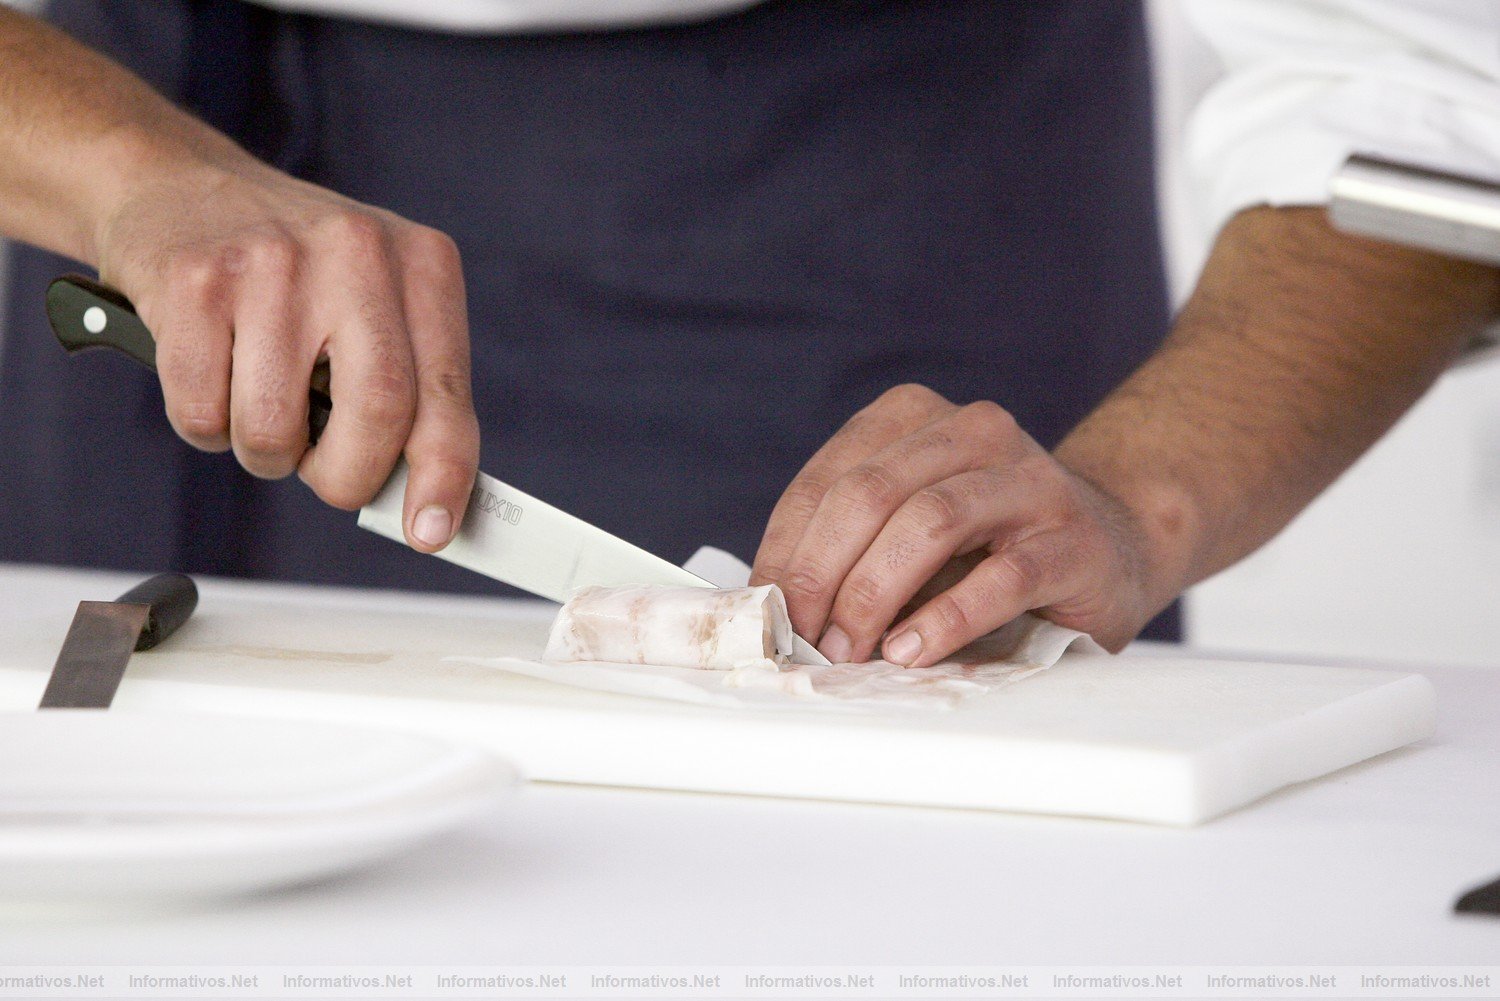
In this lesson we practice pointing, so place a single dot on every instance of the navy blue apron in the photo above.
(691, 252)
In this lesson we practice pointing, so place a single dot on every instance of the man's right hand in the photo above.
(247, 278)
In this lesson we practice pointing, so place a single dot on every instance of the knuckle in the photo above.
(1019, 573)
(861, 597)
(433, 246)
(901, 406)
(386, 399)
(449, 385)
(867, 487)
(769, 573)
(803, 583)
(895, 413)
(265, 443)
(357, 232)
(344, 495)
(269, 428)
(950, 616)
(803, 496)
(195, 271)
(200, 422)
(939, 511)
(341, 495)
(273, 253)
(445, 471)
(910, 396)
(990, 419)
(261, 461)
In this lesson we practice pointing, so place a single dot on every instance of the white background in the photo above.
(1401, 558)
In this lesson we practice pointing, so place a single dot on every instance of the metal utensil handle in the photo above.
(88, 314)
(1418, 207)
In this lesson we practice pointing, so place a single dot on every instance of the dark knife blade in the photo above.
(105, 633)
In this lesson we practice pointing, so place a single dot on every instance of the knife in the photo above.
(105, 633)
(505, 534)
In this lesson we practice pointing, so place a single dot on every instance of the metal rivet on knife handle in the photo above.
(88, 314)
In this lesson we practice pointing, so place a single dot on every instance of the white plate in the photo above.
(100, 806)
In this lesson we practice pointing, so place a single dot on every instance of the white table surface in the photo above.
(1361, 867)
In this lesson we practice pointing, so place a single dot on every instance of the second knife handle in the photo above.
(170, 597)
(88, 314)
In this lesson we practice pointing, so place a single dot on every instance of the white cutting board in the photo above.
(1168, 740)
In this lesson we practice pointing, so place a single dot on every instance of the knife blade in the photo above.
(513, 537)
(105, 633)
(504, 534)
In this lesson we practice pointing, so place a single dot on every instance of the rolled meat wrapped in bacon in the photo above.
(718, 629)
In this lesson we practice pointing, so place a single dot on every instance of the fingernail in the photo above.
(836, 645)
(904, 649)
(433, 526)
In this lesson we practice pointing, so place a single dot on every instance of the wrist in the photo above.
(1157, 519)
(135, 161)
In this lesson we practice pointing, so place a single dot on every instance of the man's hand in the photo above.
(246, 277)
(912, 482)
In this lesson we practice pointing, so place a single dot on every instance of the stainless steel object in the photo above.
(1424, 208)
(1418, 207)
(514, 537)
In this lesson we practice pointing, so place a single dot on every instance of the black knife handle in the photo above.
(88, 314)
(170, 597)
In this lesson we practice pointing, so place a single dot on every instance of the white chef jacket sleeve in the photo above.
(1308, 82)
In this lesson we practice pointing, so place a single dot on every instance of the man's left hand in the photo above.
(913, 482)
